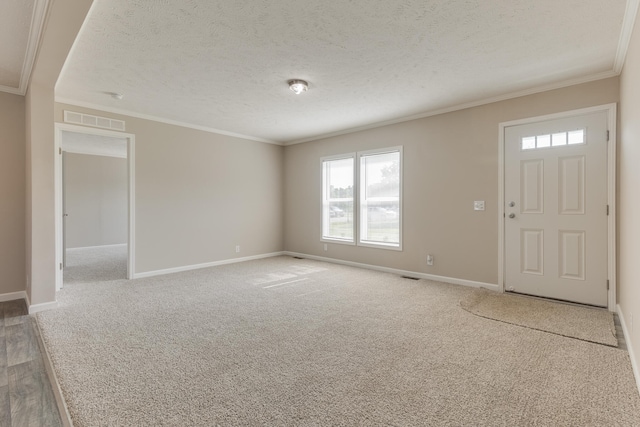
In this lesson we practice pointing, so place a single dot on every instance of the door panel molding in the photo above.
(532, 186)
(532, 251)
(611, 111)
(572, 249)
(571, 175)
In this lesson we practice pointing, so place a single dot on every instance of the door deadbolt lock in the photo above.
(512, 204)
(512, 215)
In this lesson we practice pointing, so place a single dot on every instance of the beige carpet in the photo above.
(585, 323)
(288, 342)
(96, 264)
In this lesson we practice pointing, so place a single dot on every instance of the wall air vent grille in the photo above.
(95, 121)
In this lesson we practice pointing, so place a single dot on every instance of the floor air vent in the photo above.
(410, 278)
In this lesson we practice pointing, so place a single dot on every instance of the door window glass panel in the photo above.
(543, 141)
(576, 137)
(529, 143)
(558, 139)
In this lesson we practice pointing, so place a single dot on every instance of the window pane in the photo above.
(576, 137)
(529, 143)
(543, 141)
(558, 139)
(381, 175)
(380, 198)
(337, 207)
(340, 178)
(341, 220)
(382, 223)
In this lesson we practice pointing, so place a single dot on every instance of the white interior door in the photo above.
(556, 209)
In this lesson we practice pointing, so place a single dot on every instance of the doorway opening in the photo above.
(94, 204)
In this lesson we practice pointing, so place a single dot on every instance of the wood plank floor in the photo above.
(26, 395)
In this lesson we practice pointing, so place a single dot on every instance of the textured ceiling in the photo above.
(224, 64)
(20, 26)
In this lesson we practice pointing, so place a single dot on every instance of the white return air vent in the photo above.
(95, 121)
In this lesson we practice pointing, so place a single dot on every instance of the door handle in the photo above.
(512, 215)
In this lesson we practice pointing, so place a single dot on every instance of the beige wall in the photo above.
(40, 245)
(63, 23)
(199, 194)
(96, 200)
(629, 194)
(12, 193)
(450, 160)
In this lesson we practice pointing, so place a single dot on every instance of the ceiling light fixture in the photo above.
(116, 95)
(298, 86)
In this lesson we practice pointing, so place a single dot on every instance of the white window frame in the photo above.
(357, 241)
(325, 200)
(360, 195)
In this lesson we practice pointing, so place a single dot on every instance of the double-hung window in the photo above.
(338, 198)
(379, 189)
(362, 198)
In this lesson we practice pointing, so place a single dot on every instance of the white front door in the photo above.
(556, 240)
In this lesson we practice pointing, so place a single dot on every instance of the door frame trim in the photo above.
(131, 141)
(611, 110)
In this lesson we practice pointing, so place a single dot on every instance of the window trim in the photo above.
(356, 157)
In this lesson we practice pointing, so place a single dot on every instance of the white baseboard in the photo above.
(10, 296)
(426, 276)
(627, 339)
(35, 308)
(100, 246)
(204, 265)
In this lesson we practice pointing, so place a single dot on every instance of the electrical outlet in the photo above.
(325, 246)
(237, 248)
(478, 205)
(429, 259)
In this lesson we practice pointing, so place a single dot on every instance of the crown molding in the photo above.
(161, 120)
(628, 22)
(12, 90)
(38, 19)
(457, 107)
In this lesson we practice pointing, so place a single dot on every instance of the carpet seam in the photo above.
(538, 329)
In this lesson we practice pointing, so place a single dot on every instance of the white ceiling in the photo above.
(20, 26)
(223, 65)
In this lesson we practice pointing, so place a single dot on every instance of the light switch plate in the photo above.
(478, 205)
